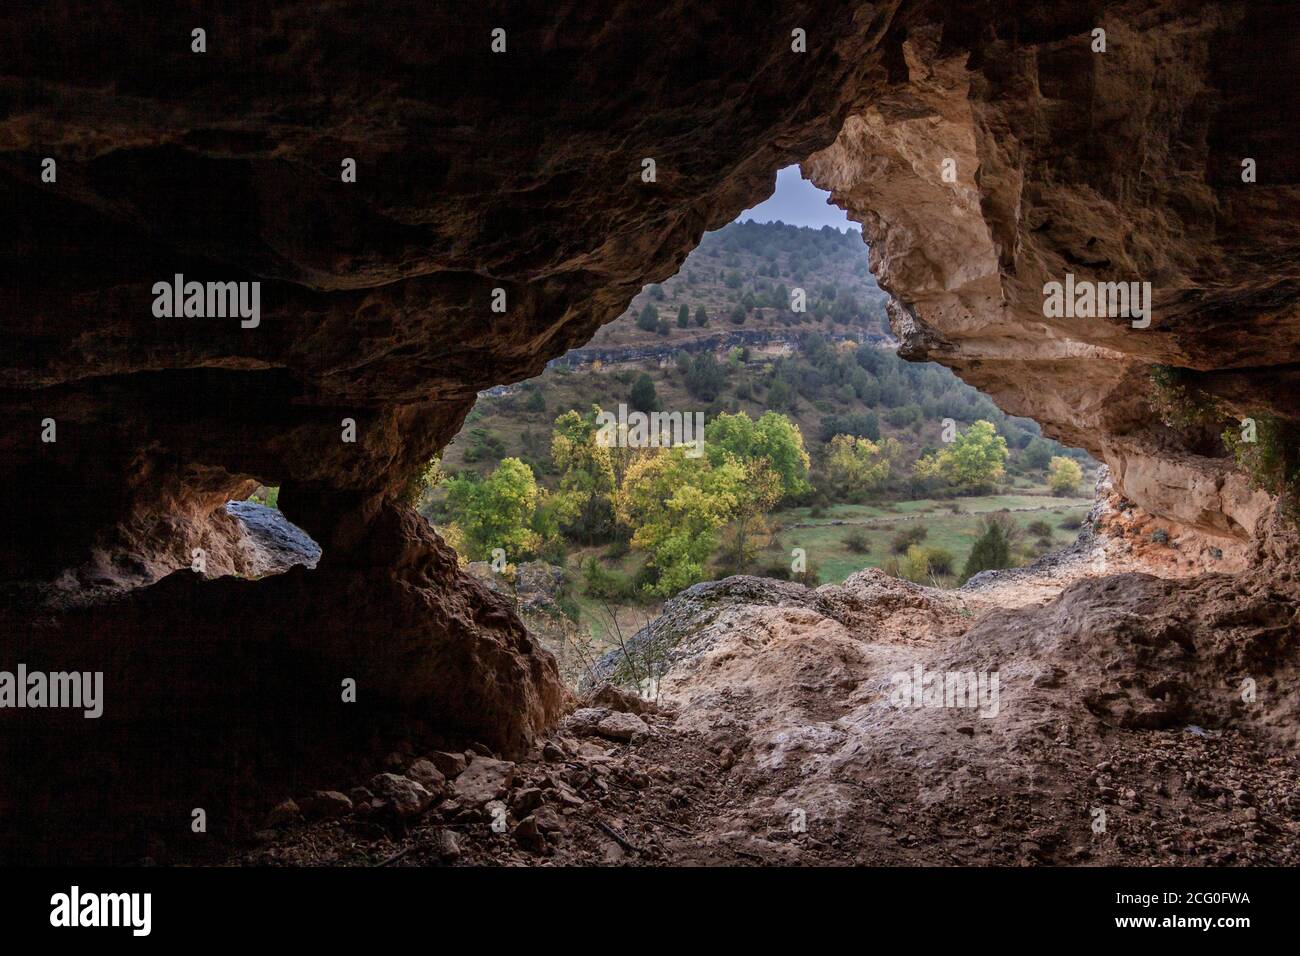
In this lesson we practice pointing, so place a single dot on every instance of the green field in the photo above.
(824, 541)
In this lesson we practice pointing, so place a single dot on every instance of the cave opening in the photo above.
(774, 329)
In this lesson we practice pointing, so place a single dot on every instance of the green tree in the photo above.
(975, 460)
(1064, 475)
(857, 466)
(683, 316)
(675, 506)
(993, 549)
(1037, 454)
(773, 438)
(643, 397)
(749, 530)
(585, 490)
(704, 377)
(648, 320)
(701, 316)
(497, 511)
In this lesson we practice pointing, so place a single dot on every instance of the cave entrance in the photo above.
(775, 331)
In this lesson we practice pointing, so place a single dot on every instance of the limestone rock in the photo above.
(406, 797)
(484, 779)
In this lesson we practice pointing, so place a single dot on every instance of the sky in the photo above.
(798, 202)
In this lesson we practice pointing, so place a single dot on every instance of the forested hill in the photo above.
(740, 279)
(720, 336)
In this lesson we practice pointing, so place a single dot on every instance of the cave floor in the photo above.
(1117, 740)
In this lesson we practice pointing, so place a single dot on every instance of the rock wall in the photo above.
(1115, 166)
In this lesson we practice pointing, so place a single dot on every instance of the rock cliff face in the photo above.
(1116, 166)
(522, 172)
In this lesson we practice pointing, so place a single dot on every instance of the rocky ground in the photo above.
(1122, 732)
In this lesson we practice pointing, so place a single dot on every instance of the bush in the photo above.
(705, 377)
(648, 320)
(1064, 475)
(857, 541)
(993, 548)
(1039, 529)
(643, 397)
(907, 538)
(1071, 523)
(1271, 460)
(600, 582)
(941, 560)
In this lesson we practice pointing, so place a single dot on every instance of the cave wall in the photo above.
(475, 171)
(1122, 165)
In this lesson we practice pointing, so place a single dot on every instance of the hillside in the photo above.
(832, 369)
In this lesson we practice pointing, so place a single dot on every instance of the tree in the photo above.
(780, 395)
(738, 314)
(1037, 454)
(773, 439)
(993, 548)
(704, 377)
(1064, 475)
(643, 397)
(974, 461)
(585, 490)
(536, 401)
(683, 316)
(701, 317)
(675, 506)
(497, 511)
(648, 320)
(749, 532)
(857, 466)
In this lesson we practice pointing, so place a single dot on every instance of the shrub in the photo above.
(648, 320)
(643, 397)
(1064, 475)
(1039, 529)
(857, 541)
(600, 582)
(908, 537)
(1272, 460)
(993, 548)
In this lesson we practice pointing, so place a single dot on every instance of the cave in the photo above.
(499, 215)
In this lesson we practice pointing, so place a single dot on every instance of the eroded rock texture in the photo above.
(1113, 166)
(522, 172)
